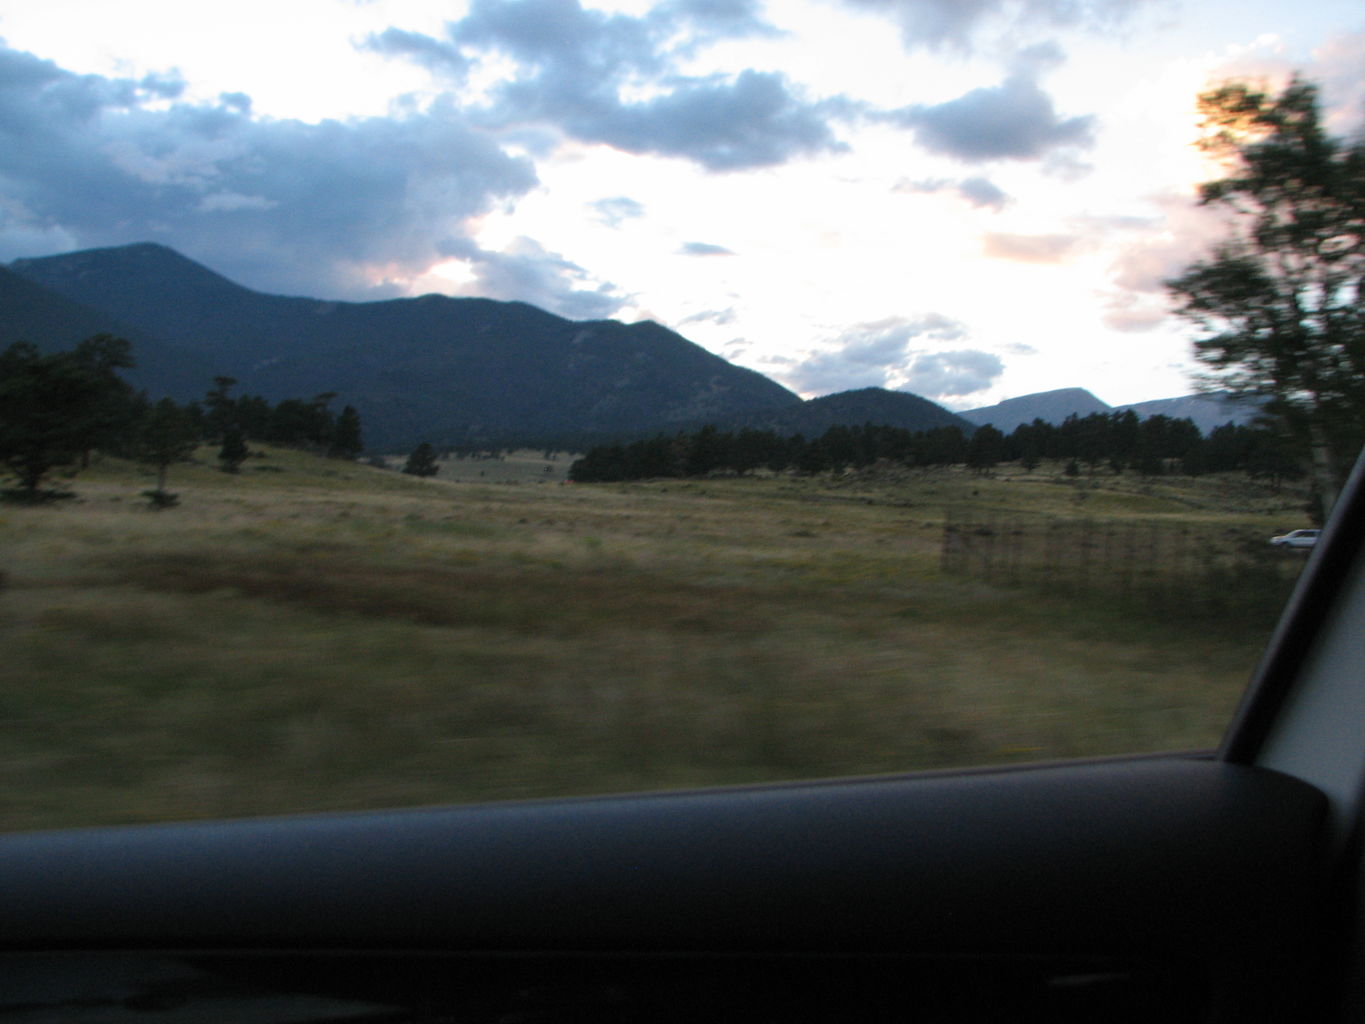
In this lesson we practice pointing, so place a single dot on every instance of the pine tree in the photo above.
(422, 461)
(55, 408)
(166, 435)
(346, 442)
(234, 451)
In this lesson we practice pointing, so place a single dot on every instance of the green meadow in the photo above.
(319, 635)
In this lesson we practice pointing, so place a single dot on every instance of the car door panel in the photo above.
(1152, 874)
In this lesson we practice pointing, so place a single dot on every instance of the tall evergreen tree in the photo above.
(346, 442)
(220, 409)
(986, 448)
(167, 435)
(234, 451)
(55, 408)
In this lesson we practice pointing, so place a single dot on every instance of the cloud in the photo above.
(165, 85)
(709, 21)
(883, 353)
(934, 23)
(979, 192)
(719, 317)
(703, 249)
(1034, 60)
(562, 35)
(617, 210)
(1155, 250)
(1011, 121)
(230, 201)
(526, 272)
(444, 59)
(561, 40)
(953, 24)
(736, 349)
(307, 208)
(1336, 68)
(614, 79)
(1132, 312)
(752, 120)
(952, 374)
(1028, 248)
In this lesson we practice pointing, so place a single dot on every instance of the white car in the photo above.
(1296, 539)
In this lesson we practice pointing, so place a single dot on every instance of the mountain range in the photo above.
(446, 370)
(429, 368)
(434, 368)
(1207, 411)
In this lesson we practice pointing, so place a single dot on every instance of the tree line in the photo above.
(57, 408)
(1118, 442)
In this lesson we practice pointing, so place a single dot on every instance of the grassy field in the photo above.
(316, 635)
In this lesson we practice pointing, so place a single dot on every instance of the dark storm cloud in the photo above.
(952, 24)
(527, 272)
(883, 353)
(703, 249)
(294, 207)
(575, 66)
(617, 210)
(978, 191)
(1011, 121)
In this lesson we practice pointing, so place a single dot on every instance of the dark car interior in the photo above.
(1211, 886)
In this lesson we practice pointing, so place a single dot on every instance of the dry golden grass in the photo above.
(318, 635)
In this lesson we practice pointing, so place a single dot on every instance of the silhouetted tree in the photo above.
(346, 442)
(422, 461)
(220, 409)
(234, 451)
(1281, 303)
(55, 408)
(986, 448)
(166, 435)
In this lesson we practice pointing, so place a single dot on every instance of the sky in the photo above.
(970, 200)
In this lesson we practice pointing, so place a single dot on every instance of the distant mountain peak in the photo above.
(1206, 411)
(1049, 406)
(148, 267)
(853, 408)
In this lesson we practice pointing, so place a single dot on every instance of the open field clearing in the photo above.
(316, 635)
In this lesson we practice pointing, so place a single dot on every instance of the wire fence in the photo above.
(1182, 569)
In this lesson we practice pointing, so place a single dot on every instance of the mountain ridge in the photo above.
(854, 408)
(457, 370)
(448, 370)
(1207, 411)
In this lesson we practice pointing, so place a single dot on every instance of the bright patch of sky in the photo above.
(971, 201)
